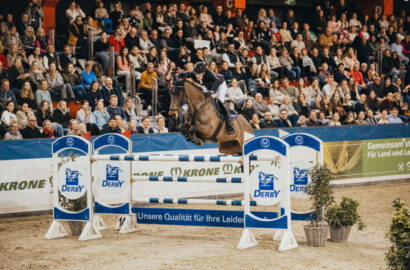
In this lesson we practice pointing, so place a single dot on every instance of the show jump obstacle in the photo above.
(105, 181)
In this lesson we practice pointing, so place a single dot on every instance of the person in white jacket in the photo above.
(73, 11)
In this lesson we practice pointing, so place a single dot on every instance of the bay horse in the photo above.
(202, 115)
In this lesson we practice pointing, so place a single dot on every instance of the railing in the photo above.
(154, 97)
(112, 61)
(90, 45)
(52, 35)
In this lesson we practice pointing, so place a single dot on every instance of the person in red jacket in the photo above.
(357, 76)
(117, 41)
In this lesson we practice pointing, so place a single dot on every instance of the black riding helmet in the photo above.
(199, 68)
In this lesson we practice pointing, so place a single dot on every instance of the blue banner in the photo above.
(41, 148)
(195, 217)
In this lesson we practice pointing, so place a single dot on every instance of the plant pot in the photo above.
(316, 236)
(339, 234)
(76, 227)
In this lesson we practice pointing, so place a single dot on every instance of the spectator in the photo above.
(283, 119)
(36, 56)
(128, 110)
(68, 58)
(100, 115)
(78, 36)
(255, 121)
(124, 27)
(57, 85)
(12, 37)
(31, 131)
(289, 90)
(117, 41)
(384, 118)
(248, 110)
(286, 61)
(28, 40)
(9, 114)
(73, 127)
(42, 40)
(361, 118)
(267, 121)
(18, 74)
(51, 57)
(101, 14)
(145, 85)
(302, 106)
(27, 95)
(113, 109)
(6, 95)
(373, 102)
(291, 113)
(13, 133)
(144, 127)
(116, 15)
(260, 105)
(74, 79)
(36, 74)
(230, 56)
(36, 14)
(22, 115)
(48, 130)
(61, 115)
(160, 125)
(335, 121)
(313, 121)
(84, 115)
(398, 48)
(73, 12)
(123, 66)
(110, 89)
(43, 93)
(88, 76)
(236, 95)
(95, 94)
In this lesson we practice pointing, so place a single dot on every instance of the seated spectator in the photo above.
(276, 92)
(302, 106)
(160, 125)
(361, 119)
(88, 76)
(113, 109)
(384, 118)
(248, 110)
(309, 68)
(6, 95)
(335, 121)
(101, 14)
(13, 133)
(61, 115)
(260, 105)
(43, 93)
(291, 113)
(323, 120)
(109, 89)
(153, 56)
(373, 102)
(57, 85)
(22, 115)
(398, 48)
(267, 121)
(3, 60)
(74, 79)
(289, 90)
(387, 87)
(145, 43)
(42, 40)
(123, 66)
(301, 122)
(372, 73)
(44, 113)
(100, 115)
(9, 114)
(12, 37)
(283, 120)
(84, 115)
(353, 89)
(48, 130)
(128, 110)
(31, 131)
(15, 53)
(36, 74)
(51, 57)
(78, 36)
(73, 12)
(312, 121)
(68, 58)
(18, 74)
(73, 127)
(133, 126)
(273, 107)
(29, 40)
(236, 95)
(36, 56)
(137, 61)
(350, 59)
(27, 95)
(325, 107)
(94, 95)
(144, 127)
(255, 121)
(117, 41)
(145, 85)
(286, 61)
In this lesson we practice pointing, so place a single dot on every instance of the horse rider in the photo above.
(211, 82)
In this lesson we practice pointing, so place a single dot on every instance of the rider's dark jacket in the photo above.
(211, 80)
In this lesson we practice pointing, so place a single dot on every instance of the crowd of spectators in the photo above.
(337, 67)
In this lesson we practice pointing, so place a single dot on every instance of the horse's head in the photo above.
(177, 97)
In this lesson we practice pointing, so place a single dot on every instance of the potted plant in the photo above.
(341, 218)
(321, 197)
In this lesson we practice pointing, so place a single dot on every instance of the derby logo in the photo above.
(265, 143)
(112, 177)
(300, 176)
(111, 139)
(266, 186)
(71, 181)
(299, 140)
(69, 141)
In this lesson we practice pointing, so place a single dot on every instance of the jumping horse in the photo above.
(202, 122)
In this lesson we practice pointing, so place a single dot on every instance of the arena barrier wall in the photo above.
(371, 153)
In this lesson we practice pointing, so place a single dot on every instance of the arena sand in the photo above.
(22, 243)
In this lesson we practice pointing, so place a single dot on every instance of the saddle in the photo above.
(221, 110)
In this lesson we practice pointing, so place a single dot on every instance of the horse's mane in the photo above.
(193, 83)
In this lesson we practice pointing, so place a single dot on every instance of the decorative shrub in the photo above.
(344, 214)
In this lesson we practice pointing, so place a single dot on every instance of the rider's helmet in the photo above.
(199, 68)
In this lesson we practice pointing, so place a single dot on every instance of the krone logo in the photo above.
(111, 139)
(265, 143)
(299, 139)
(70, 141)
(227, 168)
(176, 171)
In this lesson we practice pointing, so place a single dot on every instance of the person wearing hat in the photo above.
(398, 48)
(211, 82)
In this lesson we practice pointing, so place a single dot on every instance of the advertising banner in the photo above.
(368, 158)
